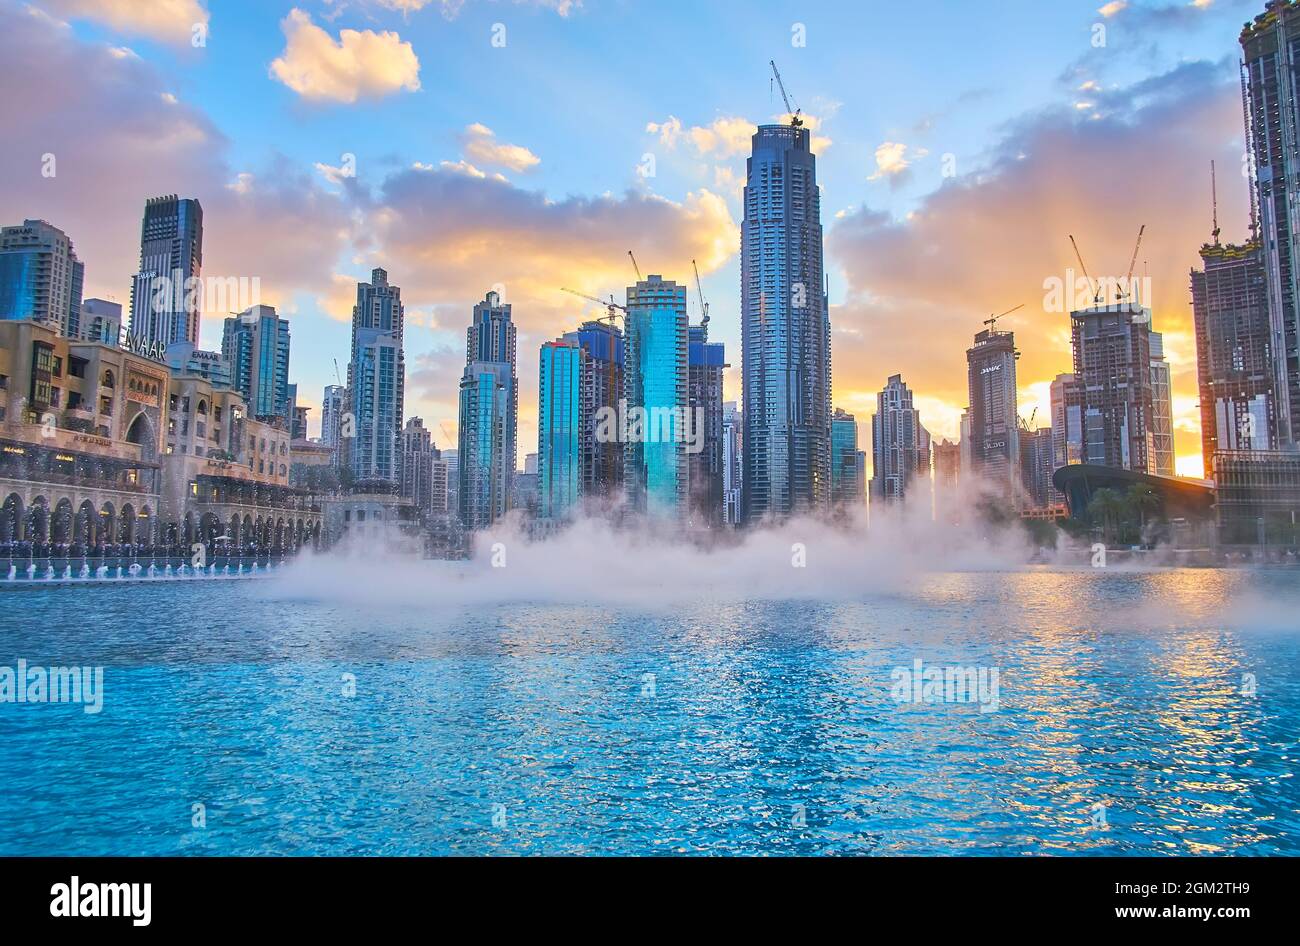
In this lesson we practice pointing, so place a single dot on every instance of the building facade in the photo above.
(994, 436)
(600, 389)
(418, 456)
(900, 446)
(733, 424)
(847, 486)
(489, 405)
(560, 426)
(655, 389)
(164, 307)
(785, 330)
(1234, 358)
(376, 381)
(1067, 421)
(1112, 362)
(41, 277)
(255, 346)
(706, 362)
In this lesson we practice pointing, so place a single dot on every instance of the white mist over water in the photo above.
(593, 562)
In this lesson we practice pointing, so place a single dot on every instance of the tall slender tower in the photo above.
(377, 380)
(785, 330)
(900, 445)
(489, 402)
(1270, 46)
(163, 309)
(994, 426)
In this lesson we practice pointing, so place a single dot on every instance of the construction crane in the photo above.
(610, 305)
(635, 266)
(336, 372)
(795, 112)
(699, 286)
(1214, 197)
(1132, 265)
(1027, 426)
(992, 321)
(1096, 298)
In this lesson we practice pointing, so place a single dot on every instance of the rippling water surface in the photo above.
(765, 728)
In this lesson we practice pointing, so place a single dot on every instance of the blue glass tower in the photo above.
(559, 428)
(489, 401)
(785, 330)
(600, 388)
(655, 390)
(40, 276)
(255, 345)
(171, 253)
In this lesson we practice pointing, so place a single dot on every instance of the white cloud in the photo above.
(891, 160)
(172, 21)
(481, 145)
(361, 64)
(723, 138)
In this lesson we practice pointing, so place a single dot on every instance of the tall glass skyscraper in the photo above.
(900, 446)
(655, 384)
(847, 486)
(600, 387)
(40, 276)
(559, 428)
(706, 362)
(377, 380)
(489, 406)
(785, 330)
(255, 346)
(171, 253)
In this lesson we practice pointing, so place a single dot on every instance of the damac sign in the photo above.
(145, 348)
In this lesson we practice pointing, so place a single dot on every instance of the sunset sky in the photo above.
(505, 142)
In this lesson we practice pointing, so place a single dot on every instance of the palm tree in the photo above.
(1144, 499)
(1107, 504)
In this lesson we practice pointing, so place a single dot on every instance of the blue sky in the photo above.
(586, 91)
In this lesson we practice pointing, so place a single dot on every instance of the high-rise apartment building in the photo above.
(994, 436)
(785, 330)
(847, 486)
(40, 277)
(165, 308)
(732, 435)
(900, 446)
(255, 344)
(1162, 409)
(332, 405)
(101, 321)
(1036, 469)
(1067, 421)
(376, 380)
(559, 429)
(600, 389)
(1234, 361)
(418, 457)
(655, 389)
(489, 403)
(706, 362)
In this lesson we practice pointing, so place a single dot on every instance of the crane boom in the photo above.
(609, 304)
(699, 287)
(1096, 299)
(635, 266)
(795, 120)
(992, 321)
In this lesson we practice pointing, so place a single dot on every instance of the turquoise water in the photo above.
(767, 727)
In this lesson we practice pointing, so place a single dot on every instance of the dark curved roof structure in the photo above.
(1183, 499)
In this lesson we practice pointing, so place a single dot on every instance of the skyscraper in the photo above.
(785, 330)
(900, 446)
(163, 307)
(377, 380)
(1112, 362)
(706, 361)
(331, 417)
(847, 486)
(600, 388)
(732, 429)
(489, 400)
(418, 456)
(1270, 46)
(655, 390)
(1234, 364)
(994, 424)
(1036, 468)
(1162, 409)
(40, 277)
(255, 344)
(559, 428)
(1067, 421)
(101, 321)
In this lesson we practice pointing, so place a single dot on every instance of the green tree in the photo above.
(1107, 510)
